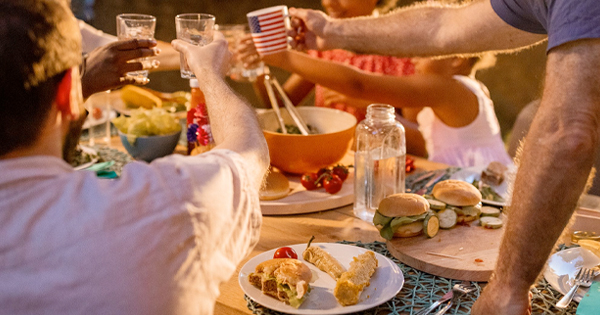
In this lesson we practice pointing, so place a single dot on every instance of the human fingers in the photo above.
(125, 55)
(138, 80)
(135, 44)
(180, 45)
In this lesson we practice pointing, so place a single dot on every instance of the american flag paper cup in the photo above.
(268, 27)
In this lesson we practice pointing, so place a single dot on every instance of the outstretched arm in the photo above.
(408, 91)
(233, 122)
(422, 30)
(559, 152)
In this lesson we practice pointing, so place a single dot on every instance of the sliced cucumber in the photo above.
(491, 222)
(447, 218)
(431, 225)
(435, 204)
(490, 212)
(473, 211)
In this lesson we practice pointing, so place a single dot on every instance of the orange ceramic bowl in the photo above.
(301, 154)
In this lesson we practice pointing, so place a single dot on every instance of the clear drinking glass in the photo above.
(234, 33)
(138, 26)
(194, 28)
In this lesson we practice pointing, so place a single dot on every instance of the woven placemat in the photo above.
(421, 289)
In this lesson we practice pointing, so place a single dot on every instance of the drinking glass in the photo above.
(136, 26)
(196, 29)
(234, 33)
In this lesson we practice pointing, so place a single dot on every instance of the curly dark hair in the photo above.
(34, 56)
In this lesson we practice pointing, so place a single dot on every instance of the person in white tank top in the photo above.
(457, 122)
(476, 144)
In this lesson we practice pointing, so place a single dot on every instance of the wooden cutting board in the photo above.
(300, 200)
(462, 253)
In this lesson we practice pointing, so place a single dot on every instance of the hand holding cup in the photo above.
(212, 58)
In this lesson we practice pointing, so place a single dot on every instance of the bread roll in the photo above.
(457, 193)
(276, 186)
(403, 205)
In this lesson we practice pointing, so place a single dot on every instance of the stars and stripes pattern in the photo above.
(268, 31)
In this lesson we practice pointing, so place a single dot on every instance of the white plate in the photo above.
(470, 174)
(564, 265)
(385, 283)
(92, 122)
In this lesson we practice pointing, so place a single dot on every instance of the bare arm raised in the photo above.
(421, 30)
(233, 122)
(559, 153)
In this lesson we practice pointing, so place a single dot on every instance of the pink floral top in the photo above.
(372, 63)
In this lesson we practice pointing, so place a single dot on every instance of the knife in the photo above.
(432, 181)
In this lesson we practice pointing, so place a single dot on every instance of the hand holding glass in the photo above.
(196, 29)
(136, 26)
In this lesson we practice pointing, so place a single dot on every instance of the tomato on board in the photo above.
(285, 252)
(309, 181)
(322, 174)
(332, 184)
(341, 171)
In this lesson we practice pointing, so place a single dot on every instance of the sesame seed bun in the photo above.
(403, 205)
(456, 193)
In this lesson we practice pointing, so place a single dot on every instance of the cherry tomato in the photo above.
(322, 174)
(285, 252)
(332, 184)
(309, 181)
(341, 171)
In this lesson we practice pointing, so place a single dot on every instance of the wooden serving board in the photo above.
(301, 201)
(462, 253)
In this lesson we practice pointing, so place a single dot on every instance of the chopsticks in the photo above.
(271, 82)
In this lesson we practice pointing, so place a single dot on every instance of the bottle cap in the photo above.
(194, 83)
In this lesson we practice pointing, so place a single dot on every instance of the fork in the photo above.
(583, 279)
(435, 304)
(458, 291)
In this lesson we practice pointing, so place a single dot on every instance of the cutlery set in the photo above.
(450, 298)
(584, 279)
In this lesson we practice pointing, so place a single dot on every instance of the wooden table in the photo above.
(277, 231)
(340, 224)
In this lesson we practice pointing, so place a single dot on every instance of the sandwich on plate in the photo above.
(285, 279)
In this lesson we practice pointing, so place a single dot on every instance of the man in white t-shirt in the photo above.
(160, 239)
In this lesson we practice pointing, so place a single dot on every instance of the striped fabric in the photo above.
(268, 32)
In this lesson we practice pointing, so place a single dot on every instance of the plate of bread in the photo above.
(326, 278)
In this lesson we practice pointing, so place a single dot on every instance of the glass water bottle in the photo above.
(379, 159)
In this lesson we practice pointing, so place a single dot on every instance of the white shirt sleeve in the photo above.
(92, 38)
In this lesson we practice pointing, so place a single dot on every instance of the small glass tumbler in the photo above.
(136, 26)
(196, 29)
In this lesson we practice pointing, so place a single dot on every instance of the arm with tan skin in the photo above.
(233, 122)
(558, 155)
(426, 29)
(296, 87)
(442, 93)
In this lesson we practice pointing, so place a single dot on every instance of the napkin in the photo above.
(590, 303)
(101, 170)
